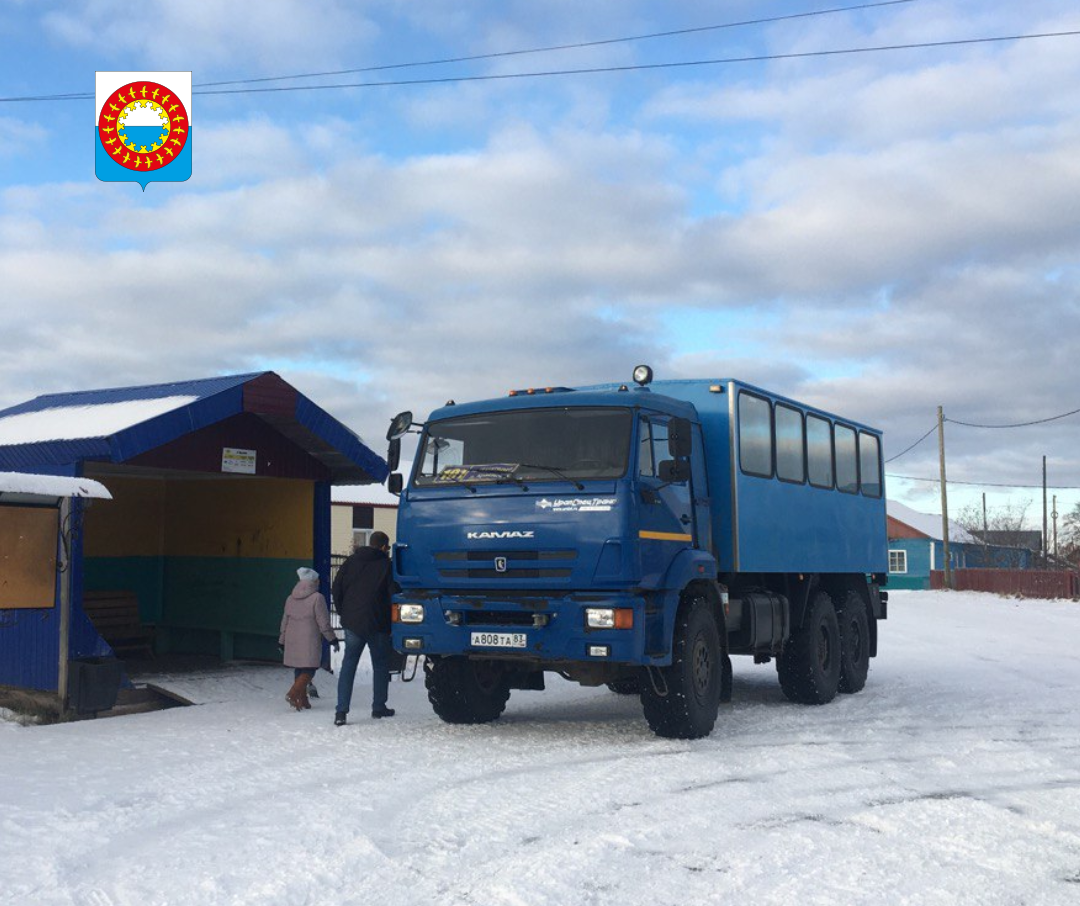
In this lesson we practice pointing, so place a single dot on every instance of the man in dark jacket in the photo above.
(361, 594)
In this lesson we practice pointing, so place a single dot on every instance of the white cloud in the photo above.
(877, 235)
(272, 33)
(18, 137)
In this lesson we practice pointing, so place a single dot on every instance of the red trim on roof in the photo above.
(898, 530)
(270, 395)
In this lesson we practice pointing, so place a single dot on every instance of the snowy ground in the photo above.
(953, 778)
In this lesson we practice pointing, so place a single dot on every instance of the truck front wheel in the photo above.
(688, 698)
(466, 692)
(809, 667)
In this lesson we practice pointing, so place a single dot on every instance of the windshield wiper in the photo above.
(556, 472)
(516, 479)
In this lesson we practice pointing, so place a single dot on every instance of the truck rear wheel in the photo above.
(686, 704)
(809, 667)
(854, 643)
(466, 692)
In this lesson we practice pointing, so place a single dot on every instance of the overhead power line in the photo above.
(954, 421)
(984, 484)
(580, 45)
(640, 67)
(913, 446)
(1040, 421)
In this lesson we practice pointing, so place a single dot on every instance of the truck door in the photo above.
(666, 523)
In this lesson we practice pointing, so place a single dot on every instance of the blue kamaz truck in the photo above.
(637, 536)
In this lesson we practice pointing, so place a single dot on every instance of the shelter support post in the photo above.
(64, 582)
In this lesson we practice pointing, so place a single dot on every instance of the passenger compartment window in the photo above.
(847, 464)
(819, 451)
(870, 464)
(790, 461)
(755, 435)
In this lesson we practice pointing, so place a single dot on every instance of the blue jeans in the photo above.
(379, 644)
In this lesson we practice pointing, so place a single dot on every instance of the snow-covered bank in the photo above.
(953, 778)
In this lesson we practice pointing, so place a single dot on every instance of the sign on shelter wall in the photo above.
(28, 556)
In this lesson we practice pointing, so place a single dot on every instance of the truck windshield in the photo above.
(526, 445)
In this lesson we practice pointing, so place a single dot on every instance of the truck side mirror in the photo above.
(393, 454)
(395, 483)
(674, 471)
(679, 445)
(399, 425)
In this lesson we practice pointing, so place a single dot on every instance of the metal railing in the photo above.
(335, 618)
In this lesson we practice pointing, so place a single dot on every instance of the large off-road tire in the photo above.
(809, 666)
(682, 703)
(854, 643)
(466, 692)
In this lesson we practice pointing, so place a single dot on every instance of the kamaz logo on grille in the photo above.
(500, 564)
(494, 536)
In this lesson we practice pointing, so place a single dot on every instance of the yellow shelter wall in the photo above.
(262, 518)
(153, 517)
(132, 524)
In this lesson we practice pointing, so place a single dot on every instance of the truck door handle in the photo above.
(684, 519)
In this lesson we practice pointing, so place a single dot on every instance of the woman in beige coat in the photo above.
(304, 624)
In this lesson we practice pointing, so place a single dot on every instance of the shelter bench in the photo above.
(115, 615)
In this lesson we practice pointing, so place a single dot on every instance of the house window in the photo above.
(363, 524)
(898, 561)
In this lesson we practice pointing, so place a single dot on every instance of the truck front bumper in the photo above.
(544, 629)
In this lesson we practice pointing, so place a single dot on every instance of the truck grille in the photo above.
(497, 618)
(530, 564)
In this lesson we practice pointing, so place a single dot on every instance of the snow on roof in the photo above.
(363, 494)
(928, 524)
(368, 494)
(77, 422)
(51, 486)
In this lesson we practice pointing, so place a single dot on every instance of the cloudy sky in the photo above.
(878, 233)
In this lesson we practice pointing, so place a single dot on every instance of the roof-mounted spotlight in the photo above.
(642, 375)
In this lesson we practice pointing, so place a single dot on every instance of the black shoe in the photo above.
(339, 719)
(383, 712)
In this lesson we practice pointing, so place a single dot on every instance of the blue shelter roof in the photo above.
(57, 432)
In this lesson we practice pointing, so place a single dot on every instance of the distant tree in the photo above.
(1069, 538)
(1006, 525)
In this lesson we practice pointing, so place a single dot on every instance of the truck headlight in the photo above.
(408, 613)
(609, 617)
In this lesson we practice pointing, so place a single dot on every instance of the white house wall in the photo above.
(341, 531)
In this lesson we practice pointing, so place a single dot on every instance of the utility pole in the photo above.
(944, 498)
(1044, 538)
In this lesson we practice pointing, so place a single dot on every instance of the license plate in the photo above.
(498, 639)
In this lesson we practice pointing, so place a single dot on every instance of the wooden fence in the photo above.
(1026, 583)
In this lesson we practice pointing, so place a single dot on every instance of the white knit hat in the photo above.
(307, 574)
